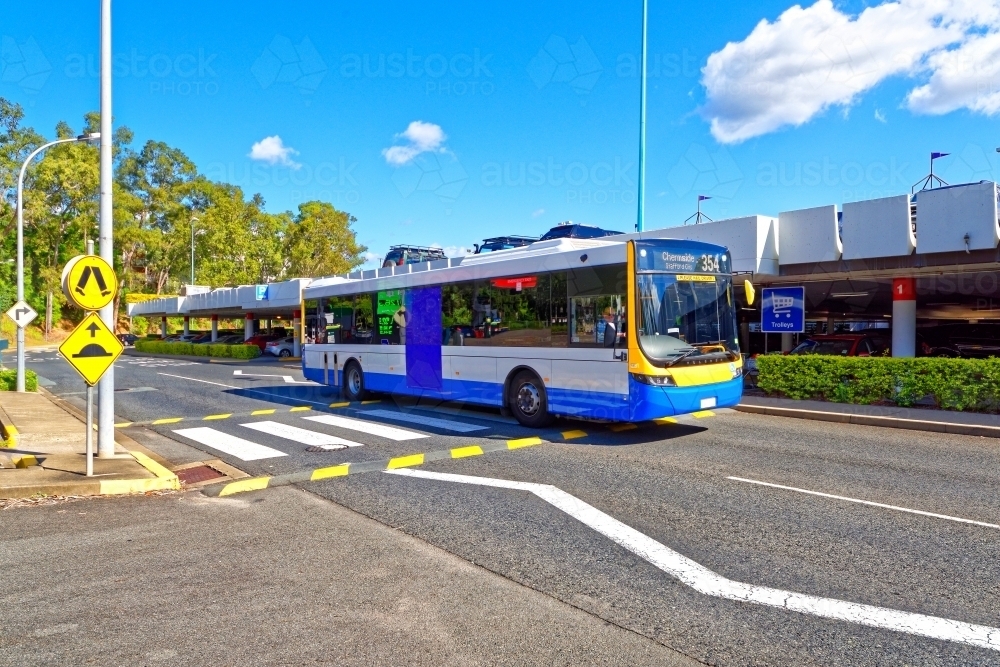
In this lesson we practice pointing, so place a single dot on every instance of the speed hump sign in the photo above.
(91, 348)
(89, 282)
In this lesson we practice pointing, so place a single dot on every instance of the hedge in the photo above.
(199, 350)
(8, 380)
(952, 384)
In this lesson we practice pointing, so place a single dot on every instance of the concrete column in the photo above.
(270, 329)
(163, 327)
(787, 342)
(248, 326)
(297, 333)
(904, 317)
(215, 328)
(187, 325)
(830, 324)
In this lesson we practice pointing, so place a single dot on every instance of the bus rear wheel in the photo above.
(528, 401)
(354, 382)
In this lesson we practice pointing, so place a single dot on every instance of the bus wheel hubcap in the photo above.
(528, 399)
(355, 380)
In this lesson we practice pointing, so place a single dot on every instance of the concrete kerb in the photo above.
(8, 430)
(162, 479)
(873, 420)
(345, 469)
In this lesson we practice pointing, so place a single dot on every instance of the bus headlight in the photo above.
(736, 370)
(655, 380)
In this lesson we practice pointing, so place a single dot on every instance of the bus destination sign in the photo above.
(675, 258)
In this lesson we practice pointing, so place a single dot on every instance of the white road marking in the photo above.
(444, 424)
(288, 379)
(217, 384)
(370, 428)
(304, 436)
(229, 444)
(707, 582)
(866, 502)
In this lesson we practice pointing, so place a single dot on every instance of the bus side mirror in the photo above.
(749, 291)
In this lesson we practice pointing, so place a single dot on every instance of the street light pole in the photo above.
(20, 241)
(640, 222)
(106, 386)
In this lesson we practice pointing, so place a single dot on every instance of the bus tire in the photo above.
(528, 401)
(354, 382)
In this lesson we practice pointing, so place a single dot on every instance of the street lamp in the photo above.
(93, 136)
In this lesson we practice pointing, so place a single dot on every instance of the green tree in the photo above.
(320, 242)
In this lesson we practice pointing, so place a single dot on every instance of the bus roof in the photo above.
(541, 257)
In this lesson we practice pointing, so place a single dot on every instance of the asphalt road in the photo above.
(669, 482)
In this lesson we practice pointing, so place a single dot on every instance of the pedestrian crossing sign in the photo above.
(89, 282)
(91, 349)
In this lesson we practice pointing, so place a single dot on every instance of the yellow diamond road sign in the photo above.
(89, 282)
(91, 348)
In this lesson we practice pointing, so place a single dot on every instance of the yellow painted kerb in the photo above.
(523, 442)
(462, 452)
(405, 461)
(252, 484)
(10, 436)
(332, 471)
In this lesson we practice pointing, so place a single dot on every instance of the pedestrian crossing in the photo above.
(444, 424)
(300, 435)
(371, 428)
(244, 450)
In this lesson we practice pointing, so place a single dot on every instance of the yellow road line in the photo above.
(262, 412)
(252, 484)
(462, 452)
(301, 408)
(701, 414)
(569, 435)
(370, 402)
(405, 461)
(171, 420)
(211, 417)
(665, 420)
(523, 442)
(332, 471)
(123, 425)
(339, 405)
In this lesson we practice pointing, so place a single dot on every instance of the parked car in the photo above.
(223, 339)
(572, 230)
(399, 255)
(261, 340)
(280, 347)
(846, 345)
(960, 340)
(503, 243)
(127, 339)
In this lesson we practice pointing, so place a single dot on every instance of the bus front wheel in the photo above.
(528, 401)
(354, 382)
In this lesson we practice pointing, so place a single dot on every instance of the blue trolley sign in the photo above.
(783, 310)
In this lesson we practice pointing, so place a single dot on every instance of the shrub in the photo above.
(953, 384)
(8, 380)
(191, 349)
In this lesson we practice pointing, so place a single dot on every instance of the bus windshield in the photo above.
(686, 318)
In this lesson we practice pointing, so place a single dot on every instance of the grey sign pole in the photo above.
(106, 386)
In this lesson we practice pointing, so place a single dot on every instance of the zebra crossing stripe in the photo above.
(371, 428)
(300, 435)
(229, 444)
(444, 424)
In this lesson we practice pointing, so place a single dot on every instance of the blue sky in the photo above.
(511, 117)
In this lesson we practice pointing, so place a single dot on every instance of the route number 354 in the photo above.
(708, 263)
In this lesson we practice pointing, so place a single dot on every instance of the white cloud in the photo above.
(810, 59)
(421, 137)
(880, 116)
(538, 213)
(273, 150)
(452, 250)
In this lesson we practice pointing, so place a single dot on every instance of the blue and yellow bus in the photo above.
(626, 330)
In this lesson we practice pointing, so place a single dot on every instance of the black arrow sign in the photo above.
(93, 329)
(17, 313)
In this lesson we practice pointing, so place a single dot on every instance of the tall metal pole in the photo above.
(20, 248)
(192, 252)
(641, 199)
(106, 387)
